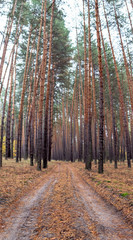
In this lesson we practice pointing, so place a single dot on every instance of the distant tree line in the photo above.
(63, 102)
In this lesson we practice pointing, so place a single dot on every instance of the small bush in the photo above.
(124, 194)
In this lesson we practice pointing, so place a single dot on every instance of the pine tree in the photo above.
(101, 114)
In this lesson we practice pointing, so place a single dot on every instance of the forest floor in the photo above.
(65, 201)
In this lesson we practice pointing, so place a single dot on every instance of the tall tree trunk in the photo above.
(48, 91)
(63, 130)
(27, 128)
(122, 107)
(129, 16)
(8, 122)
(77, 124)
(36, 82)
(17, 35)
(71, 136)
(41, 98)
(101, 113)
(4, 34)
(72, 120)
(130, 60)
(22, 97)
(131, 119)
(8, 64)
(31, 142)
(131, 3)
(36, 135)
(86, 114)
(129, 79)
(80, 75)
(88, 162)
(67, 133)
(29, 92)
(81, 130)
(95, 115)
(9, 28)
(111, 99)
(51, 117)
(13, 107)
(3, 114)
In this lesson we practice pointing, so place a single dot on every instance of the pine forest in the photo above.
(66, 119)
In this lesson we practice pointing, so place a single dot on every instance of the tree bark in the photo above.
(101, 113)
(22, 97)
(9, 28)
(41, 98)
(48, 91)
(122, 107)
(86, 114)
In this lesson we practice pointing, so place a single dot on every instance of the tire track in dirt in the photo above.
(65, 207)
(64, 218)
(21, 224)
(108, 222)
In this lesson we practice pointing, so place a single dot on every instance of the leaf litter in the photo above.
(62, 203)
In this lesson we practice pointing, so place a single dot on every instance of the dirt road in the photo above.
(65, 207)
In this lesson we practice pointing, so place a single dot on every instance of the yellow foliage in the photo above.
(14, 148)
(4, 147)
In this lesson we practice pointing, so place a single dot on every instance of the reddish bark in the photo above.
(48, 91)
(101, 107)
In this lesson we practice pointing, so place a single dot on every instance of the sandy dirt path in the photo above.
(65, 207)
(21, 224)
(109, 223)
